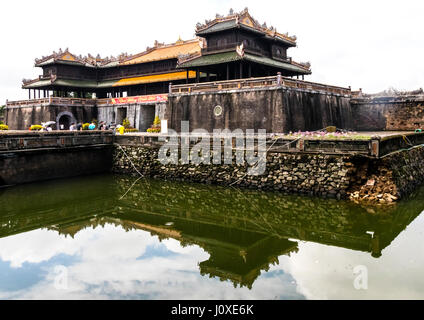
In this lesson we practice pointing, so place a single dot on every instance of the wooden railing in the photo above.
(249, 83)
(263, 82)
(53, 100)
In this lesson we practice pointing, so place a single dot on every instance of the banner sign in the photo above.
(141, 99)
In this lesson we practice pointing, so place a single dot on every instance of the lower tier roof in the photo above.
(171, 76)
(226, 57)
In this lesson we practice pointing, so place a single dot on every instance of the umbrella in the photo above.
(48, 123)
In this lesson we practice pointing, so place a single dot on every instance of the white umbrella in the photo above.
(48, 123)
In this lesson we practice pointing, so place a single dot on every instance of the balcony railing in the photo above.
(53, 101)
(250, 83)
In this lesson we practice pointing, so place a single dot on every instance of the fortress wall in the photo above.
(273, 109)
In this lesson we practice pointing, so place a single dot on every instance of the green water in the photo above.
(101, 237)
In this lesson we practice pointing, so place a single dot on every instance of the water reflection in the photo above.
(166, 239)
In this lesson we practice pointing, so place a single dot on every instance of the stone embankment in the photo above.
(359, 178)
(322, 175)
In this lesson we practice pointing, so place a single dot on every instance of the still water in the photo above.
(103, 237)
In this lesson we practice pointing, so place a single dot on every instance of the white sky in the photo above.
(372, 45)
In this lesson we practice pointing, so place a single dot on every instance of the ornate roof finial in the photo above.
(231, 12)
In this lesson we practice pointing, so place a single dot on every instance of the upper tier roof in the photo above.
(243, 20)
(163, 52)
(157, 53)
(66, 57)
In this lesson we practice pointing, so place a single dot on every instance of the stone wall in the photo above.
(322, 175)
(364, 179)
(388, 113)
(389, 178)
(35, 156)
(140, 115)
(22, 117)
(274, 109)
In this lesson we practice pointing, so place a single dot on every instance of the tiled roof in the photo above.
(225, 57)
(276, 64)
(66, 57)
(163, 52)
(170, 76)
(242, 20)
(179, 75)
(211, 59)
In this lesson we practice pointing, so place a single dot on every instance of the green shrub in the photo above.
(156, 122)
(4, 127)
(153, 130)
(126, 123)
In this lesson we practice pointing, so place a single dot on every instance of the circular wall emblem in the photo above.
(217, 111)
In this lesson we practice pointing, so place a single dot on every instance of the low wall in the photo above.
(21, 117)
(388, 113)
(36, 156)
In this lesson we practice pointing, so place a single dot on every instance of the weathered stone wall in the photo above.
(322, 175)
(22, 117)
(273, 109)
(383, 180)
(388, 113)
(35, 156)
(389, 178)
(24, 167)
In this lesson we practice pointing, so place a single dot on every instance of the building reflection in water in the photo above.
(243, 231)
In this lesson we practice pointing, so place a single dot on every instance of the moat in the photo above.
(113, 237)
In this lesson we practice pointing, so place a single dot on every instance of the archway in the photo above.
(64, 118)
(64, 122)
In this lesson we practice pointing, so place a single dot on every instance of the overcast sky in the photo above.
(372, 45)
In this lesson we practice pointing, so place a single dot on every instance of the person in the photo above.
(73, 127)
(79, 126)
(92, 126)
(113, 127)
(49, 128)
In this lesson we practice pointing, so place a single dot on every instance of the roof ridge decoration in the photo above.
(245, 18)
(86, 60)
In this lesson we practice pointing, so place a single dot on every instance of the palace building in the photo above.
(232, 54)
(231, 47)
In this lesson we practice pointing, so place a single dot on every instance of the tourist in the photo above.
(79, 126)
(73, 127)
